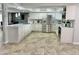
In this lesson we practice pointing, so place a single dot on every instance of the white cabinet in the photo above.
(70, 12)
(54, 27)
(17, 32)
(66, 35)
(23, 31)
(76, 27)
(36, 27)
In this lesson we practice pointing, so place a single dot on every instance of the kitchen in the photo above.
(38, 20)
(61, 19)
(59, 16)
(47, 20)
(58, 19)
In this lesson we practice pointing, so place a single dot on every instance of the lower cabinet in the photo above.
(36, 27)
(17, 33)
(66, 35)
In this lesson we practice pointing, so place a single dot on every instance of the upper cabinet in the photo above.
(70, 12)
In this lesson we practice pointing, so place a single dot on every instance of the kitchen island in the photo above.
(17, 32)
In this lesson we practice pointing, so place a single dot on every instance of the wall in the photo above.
(44, 15)
(0, 16)
(37, 15)
(57, 16)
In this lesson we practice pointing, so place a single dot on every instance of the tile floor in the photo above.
(38, 43)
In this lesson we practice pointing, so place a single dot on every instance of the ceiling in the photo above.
(41, 5)
(33, 6)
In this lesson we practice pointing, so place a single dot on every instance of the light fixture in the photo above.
(16, 15)
(49, 10)
(20, 8)
(19, 14)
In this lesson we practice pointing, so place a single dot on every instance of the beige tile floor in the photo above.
(38, 43)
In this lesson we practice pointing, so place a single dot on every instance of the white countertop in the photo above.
(17, 25)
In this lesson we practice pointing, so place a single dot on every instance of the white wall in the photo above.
(0, 16)
(37, 15)
(44, 15)
(57, 16)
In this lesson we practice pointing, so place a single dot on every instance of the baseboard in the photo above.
(76, 43)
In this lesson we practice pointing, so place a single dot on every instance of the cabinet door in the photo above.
(70, 12)
(33, 27)
(66, 35)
